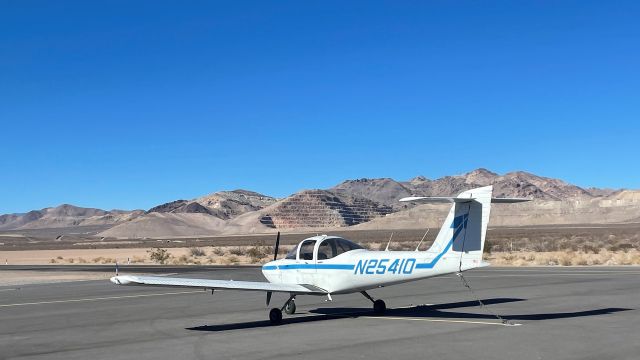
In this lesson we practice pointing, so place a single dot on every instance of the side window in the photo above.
(291, 255)
(327, 249)
(343, 245)
(306, 249)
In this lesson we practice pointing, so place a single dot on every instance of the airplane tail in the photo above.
(464, 230)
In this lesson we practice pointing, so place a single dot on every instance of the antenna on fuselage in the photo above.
(390, 237)
(420, 243)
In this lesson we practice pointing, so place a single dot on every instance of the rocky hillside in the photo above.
(362, 203)
(321, 209)
(229, 204)
(223, 204)
(514, 184)
(65, 216)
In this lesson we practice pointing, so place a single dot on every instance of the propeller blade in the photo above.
(269, 297)
(275, 253)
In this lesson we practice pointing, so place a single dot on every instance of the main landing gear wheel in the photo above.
(290, 307)
(379, 307)
(275, 316)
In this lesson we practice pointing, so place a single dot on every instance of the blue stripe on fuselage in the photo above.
(461, 220)
(310, 266)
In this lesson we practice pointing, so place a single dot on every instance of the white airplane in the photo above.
(329, 265)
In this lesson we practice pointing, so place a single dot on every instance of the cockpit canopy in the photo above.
(329, 247)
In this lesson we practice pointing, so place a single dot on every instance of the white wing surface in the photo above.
(216, 284)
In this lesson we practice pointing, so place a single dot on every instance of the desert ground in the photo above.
(606, 244)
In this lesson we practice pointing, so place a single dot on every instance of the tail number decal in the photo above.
(384, 266)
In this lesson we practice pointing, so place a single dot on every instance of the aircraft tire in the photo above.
(379, 307)
(290, 307)
(275, 316)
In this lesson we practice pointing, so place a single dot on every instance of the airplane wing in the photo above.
(217, 284)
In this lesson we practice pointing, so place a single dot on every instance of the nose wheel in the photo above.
(290, 307)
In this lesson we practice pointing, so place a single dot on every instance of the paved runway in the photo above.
(565, 313)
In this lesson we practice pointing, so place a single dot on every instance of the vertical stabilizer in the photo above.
(464, 230)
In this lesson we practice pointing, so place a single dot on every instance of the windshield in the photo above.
(291, 255)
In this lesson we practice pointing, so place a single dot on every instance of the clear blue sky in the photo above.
(128, 104)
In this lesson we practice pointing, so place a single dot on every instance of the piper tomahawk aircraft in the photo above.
(329, 265)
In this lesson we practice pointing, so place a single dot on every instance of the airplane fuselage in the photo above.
(360, 270)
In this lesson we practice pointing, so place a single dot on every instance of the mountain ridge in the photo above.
(353, 202)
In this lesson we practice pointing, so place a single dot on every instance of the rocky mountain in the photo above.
(65, 216)
(207, 215)
(361, 203)
(322, 208)
(229, 204)
(384, 191)
(223, 204)
(514, 184)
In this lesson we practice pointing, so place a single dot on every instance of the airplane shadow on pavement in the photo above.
(421, 311)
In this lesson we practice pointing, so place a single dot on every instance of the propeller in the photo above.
(275, 257)
(275, 253)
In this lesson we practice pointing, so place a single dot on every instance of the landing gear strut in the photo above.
(379, 307)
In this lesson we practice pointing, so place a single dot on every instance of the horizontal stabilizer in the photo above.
(509, 200)
(451, 199)
(436, 199)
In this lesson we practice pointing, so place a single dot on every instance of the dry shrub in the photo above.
(159, 255)
(97, 259)
(257, 252)
(588, 248)
(52, 261)
(565, 259)
(232, 259)
(82, 260)
(196, 252)
(490, 246)
(218, 251)
(238, 251)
